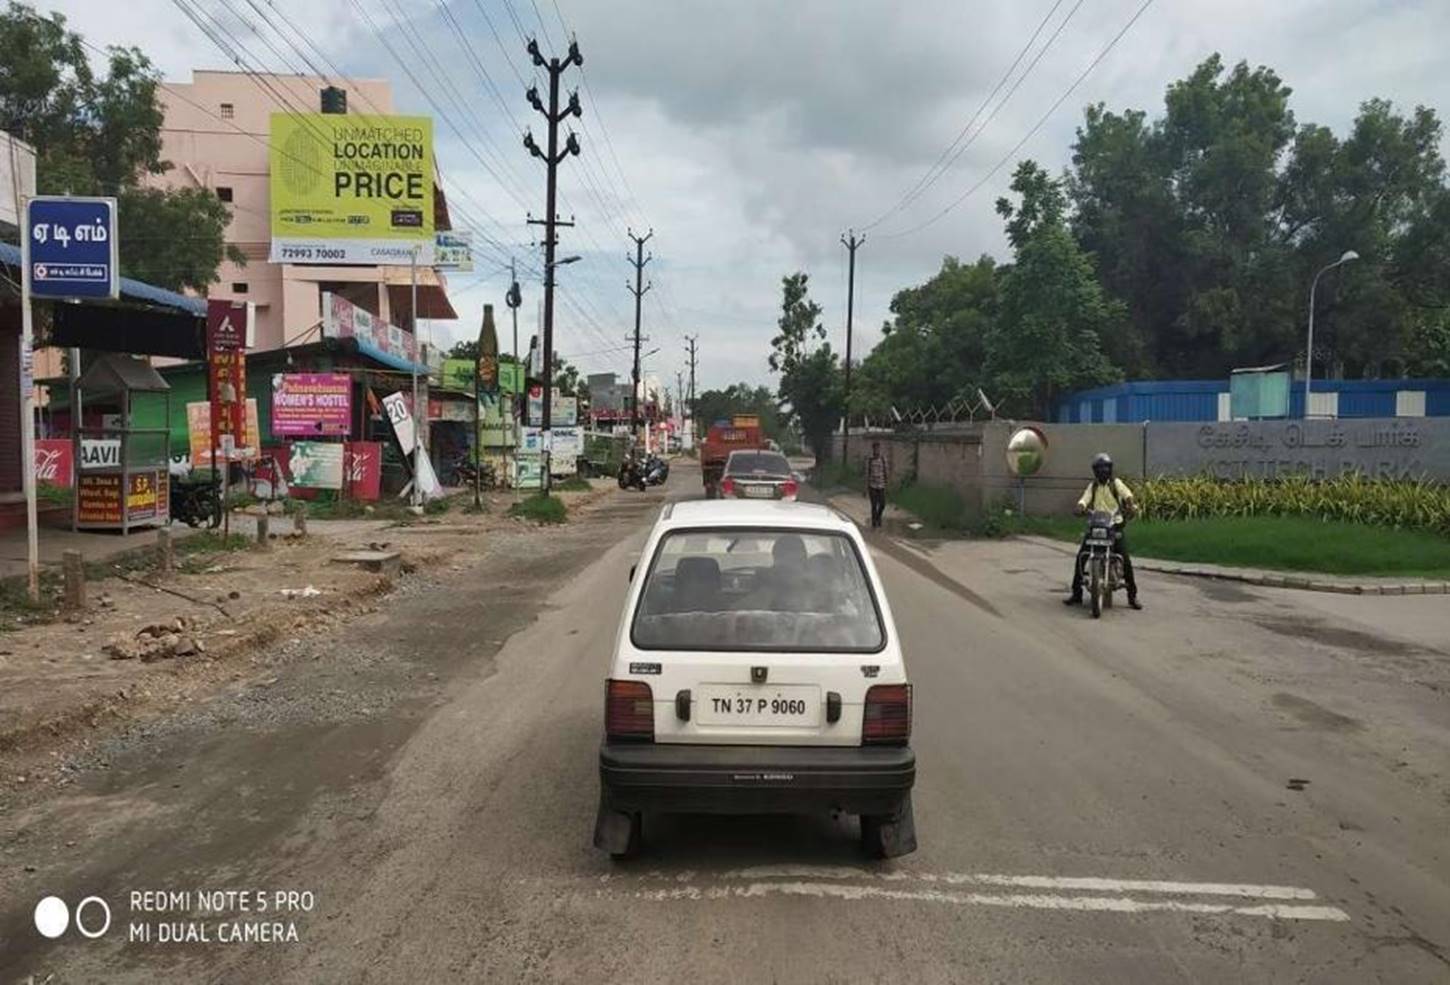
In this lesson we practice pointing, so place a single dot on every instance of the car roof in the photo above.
(753, 513)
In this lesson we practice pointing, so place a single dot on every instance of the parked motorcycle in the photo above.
(1102, 564)
(197, 502)
(656, 470)
(632, 475)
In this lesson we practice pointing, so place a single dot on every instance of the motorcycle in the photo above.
(197, 502)
(631, 475)
(1102, 564)
(656, 471)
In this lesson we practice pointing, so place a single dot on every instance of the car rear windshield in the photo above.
(751, 463)
(757, 590)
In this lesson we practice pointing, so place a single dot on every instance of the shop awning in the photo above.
(432, 302)
(148, 320)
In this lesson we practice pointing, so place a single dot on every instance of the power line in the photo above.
(938, 169)
(1030, 133)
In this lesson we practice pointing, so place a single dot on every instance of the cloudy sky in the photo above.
(750, 135)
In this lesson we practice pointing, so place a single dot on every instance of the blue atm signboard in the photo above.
(71, 249)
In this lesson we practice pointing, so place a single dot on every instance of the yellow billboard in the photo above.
(351, 188)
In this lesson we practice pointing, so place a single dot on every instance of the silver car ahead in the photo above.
(758, 475)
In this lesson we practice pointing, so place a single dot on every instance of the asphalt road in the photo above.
(1230, 786)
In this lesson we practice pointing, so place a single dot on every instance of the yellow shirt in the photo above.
(1106, 497)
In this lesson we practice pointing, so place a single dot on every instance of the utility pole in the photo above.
(638, 290)
(555, 67)
(514, 298)
(850, 245)
(690, 341)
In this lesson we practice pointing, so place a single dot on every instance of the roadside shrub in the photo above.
(573, 484)
(1406, 505)
(434, 507)
(540, 509)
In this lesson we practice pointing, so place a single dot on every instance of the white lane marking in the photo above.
(1088, 883)
(1110, 904)
(1136, 886)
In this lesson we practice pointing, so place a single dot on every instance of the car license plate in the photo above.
(789, 705)
(759, 491)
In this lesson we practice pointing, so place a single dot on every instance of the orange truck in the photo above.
(741, 434)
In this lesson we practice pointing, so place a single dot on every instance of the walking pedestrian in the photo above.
(877, 475)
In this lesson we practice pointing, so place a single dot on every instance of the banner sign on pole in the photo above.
(198, 432)
(73, 247)
(226, 333)
(311, 404)
(453, 250)
(352, 188)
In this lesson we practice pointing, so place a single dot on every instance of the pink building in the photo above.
(216, 137)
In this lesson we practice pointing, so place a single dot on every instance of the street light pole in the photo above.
(1348, 256)
(417, 497)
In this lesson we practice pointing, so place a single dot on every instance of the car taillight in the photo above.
(887, 719)
(789, 488)
(727, 487)
(629, 711)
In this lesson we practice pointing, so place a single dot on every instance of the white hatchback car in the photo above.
(757, 670)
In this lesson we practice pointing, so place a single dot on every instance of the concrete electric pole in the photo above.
(690, 341)
(638, 290)
(555, 67)
(850, 244)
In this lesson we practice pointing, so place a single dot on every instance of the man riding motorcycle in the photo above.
(1108, 495)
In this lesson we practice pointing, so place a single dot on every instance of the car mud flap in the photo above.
(898, 833)
(614, 831)
(890, 835)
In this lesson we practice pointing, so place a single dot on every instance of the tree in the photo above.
(467, 349)
(1211, 221)
(934, 349)
(101, 135)
(1053, 315)
(810, 377)
(741, 398)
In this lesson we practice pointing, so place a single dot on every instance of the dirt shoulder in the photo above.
(150, 642)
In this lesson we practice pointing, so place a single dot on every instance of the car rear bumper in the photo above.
(755, 779)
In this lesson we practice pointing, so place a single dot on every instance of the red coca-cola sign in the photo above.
(54, 462)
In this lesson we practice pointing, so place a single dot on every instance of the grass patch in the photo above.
(210, 542)
(837, 475)
(939, 507)
(16, 609)
(540, 509)
(573, 484)
(1278, 543)
(437, 507)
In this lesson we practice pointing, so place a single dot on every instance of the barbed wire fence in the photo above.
(970, 409)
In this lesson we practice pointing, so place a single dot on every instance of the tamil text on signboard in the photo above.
(351, 188)
(1376, 448)
(71, 248)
